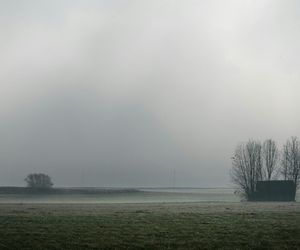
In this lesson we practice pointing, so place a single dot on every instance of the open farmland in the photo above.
(150, 226)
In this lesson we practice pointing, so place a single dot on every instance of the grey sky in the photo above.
(120, 93)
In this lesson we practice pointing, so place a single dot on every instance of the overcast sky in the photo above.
(124, 92)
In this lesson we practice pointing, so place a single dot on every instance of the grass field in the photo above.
(150, 226)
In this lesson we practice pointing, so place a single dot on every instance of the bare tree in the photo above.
(284, 162)
(247, 167)
(290, 168)
(38, 181)
(270, 155)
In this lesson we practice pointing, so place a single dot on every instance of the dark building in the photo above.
(275, 191)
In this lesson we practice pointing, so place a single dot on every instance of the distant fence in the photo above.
(83, 191)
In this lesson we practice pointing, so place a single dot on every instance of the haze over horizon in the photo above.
(122, 93)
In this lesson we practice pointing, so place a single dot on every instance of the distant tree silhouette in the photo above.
(38, 180)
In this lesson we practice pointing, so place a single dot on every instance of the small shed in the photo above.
(275, 191)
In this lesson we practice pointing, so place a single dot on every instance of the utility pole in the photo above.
(82, 178)
(173, 178)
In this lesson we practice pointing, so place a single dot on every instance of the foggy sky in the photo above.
(124, 92)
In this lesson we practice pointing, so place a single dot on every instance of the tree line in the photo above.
(263, 161)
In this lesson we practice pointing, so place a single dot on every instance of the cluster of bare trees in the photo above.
(255, 161)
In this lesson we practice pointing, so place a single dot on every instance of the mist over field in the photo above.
(143, 93)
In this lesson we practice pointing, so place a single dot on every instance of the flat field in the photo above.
(150, 226)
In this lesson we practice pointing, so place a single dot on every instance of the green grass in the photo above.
(146, 226)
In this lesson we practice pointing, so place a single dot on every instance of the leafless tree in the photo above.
(38, 181)
(247, 167)
(284, 162)
(290, 168)
(270, 156)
